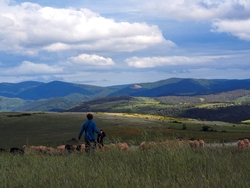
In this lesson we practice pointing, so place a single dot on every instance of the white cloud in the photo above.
(238, 28)
(93, 60)
(29, 68)
(173, 61)
(29, 28)
(229, 16)
(199, 9)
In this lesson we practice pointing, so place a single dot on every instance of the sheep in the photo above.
(69, 148)
(196, 143)
(192, 143)
(201, 143)
(108, 147)
(2, 150)
(60, 148)
(246, 142)
(240, 144)
(51, 149)
(35, 149)
(16, 151)
(80, 147)
(123, 146)
(142, 145)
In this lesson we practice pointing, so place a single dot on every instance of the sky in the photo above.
(110, 42)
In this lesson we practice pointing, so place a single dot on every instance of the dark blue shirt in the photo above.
(90, 128)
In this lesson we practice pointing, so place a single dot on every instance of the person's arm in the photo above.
(81, 131)
(95, 129)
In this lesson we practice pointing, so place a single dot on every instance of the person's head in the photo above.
(89, 116)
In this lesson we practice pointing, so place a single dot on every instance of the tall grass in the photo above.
(165, 166)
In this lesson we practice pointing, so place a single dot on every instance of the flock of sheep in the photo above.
(243, 143)
(121, 145)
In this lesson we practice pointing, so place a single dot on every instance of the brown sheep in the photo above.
(51, 149)
(196, 142)
(246, 142)
(142, 145)
(80, 148)
(240, 144)
(123, 146)
(42, 148)
(60, 148)
(192, 144)
(201, 143)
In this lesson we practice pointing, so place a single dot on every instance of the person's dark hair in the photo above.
(89, 116)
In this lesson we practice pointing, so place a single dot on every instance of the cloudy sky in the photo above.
(111, 42)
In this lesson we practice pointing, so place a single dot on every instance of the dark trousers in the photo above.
(89, 144)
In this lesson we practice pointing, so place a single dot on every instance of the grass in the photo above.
(166, 166)
(52, 129)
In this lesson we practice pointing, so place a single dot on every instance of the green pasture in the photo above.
(163, 166)
(52, 129)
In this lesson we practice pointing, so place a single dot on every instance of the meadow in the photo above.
(163, 166)
(53, 129)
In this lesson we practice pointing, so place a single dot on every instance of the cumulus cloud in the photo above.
(29, 68)
(93, 60)
(172, 61)
(29, 28)
(200, 9)
(238, 28)
(229, 16)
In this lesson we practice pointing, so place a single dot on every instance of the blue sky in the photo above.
(110, 42)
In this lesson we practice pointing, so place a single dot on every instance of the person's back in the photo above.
(90, 129)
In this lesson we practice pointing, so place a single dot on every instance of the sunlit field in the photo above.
(168, 165)
(52, 129)
(163, 166)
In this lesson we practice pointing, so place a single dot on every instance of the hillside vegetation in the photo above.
(37, 96)
(228, 106)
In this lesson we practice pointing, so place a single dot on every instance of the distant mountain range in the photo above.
(57, 95)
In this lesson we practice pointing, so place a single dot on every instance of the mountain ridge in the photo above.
(35, 94)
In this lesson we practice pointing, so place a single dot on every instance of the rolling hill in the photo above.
(57, 95)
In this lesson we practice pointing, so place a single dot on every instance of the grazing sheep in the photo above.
(246, 142)
(35, 149)
(201, 143)
(2, 150)
(142, 145)
(60, 148)
(51, 149)
(196, 142)
(108, 147)
(123, 146)
(240, 144)
(42, 149)
(192, 143)
(16, 151)
(80, 148)
(69, 148)
(181, 143)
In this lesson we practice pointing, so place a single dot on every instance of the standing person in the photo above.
(100, 138)
(90, 128)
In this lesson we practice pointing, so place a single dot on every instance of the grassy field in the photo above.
(161, 166)
(165, 166)
(52, 129)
